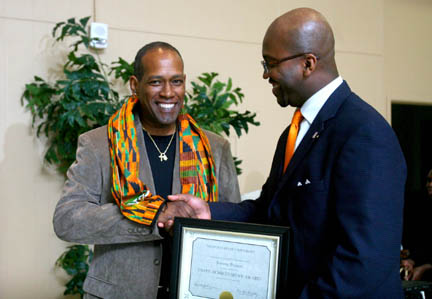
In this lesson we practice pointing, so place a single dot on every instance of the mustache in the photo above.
(272, 81)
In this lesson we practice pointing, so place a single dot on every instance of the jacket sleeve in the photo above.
(86, 212)
(367, 194)
(227, 176)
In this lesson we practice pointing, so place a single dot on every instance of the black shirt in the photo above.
(162, 172)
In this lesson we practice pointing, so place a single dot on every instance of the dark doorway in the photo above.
(413, 127)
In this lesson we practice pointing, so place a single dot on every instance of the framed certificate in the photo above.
(222, 260)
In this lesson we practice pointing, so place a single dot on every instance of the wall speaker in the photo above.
(98, 35)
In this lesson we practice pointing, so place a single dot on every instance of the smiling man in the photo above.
(337, 177)
(118, 186)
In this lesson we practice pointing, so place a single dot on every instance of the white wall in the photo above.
(383, 50)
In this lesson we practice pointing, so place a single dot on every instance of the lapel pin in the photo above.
(315, 135)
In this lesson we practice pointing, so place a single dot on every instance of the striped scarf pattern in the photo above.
(197, 167)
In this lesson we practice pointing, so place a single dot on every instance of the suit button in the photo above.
(156, 262)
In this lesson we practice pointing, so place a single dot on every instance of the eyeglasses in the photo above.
(268, 66)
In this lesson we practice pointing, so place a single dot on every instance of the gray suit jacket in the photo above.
(127, 255)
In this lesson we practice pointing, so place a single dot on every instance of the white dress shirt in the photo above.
(313, 105)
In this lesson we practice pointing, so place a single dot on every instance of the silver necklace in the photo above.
(162, 155)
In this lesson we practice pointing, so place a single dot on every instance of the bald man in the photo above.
(342, 190)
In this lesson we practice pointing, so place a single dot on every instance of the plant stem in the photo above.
(104, 74)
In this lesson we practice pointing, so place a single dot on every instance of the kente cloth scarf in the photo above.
(197, 167)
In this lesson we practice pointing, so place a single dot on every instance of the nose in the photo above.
(167, 91)
(265, 75)
(265, 70)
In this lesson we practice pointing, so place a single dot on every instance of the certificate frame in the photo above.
(209, 257)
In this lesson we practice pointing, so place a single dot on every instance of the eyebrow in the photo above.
(157, 77)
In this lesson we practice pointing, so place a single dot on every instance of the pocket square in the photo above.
(307, 182)
(299, 184)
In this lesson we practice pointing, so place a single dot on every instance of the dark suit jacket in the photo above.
(342, 195)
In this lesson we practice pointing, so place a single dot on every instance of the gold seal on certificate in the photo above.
(226, 295)
(226, 260)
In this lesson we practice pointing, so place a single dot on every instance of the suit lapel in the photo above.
(311, 135)
(316, 129)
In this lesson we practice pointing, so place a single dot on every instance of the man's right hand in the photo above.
(174, 209)
(200, 207)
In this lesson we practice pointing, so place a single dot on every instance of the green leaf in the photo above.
(207, 78)
(75, 261)
(210, 101)
(122, 69)
(233, 98)
(56, 27)
(237, 163)
(218, 87)
(229, 85)
(84, 21)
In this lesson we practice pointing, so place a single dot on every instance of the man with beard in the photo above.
(118, 186)
(337, 177)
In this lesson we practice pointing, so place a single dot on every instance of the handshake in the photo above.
(182, 205)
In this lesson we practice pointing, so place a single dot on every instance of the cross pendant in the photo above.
(163, 157)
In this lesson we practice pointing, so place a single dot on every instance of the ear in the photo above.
(133, 84)
(309, 65)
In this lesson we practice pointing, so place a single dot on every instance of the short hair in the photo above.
(138, 67)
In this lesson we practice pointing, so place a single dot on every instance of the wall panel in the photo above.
(242, 20)
(45, 10)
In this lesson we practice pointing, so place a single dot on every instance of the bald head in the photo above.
(304, 30)
(299, 56)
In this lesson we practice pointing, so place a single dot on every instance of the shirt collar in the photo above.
(314, 104)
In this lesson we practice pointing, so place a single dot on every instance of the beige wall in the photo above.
(383, 51)
(408, 59)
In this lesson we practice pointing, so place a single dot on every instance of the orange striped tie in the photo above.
(292, 136)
